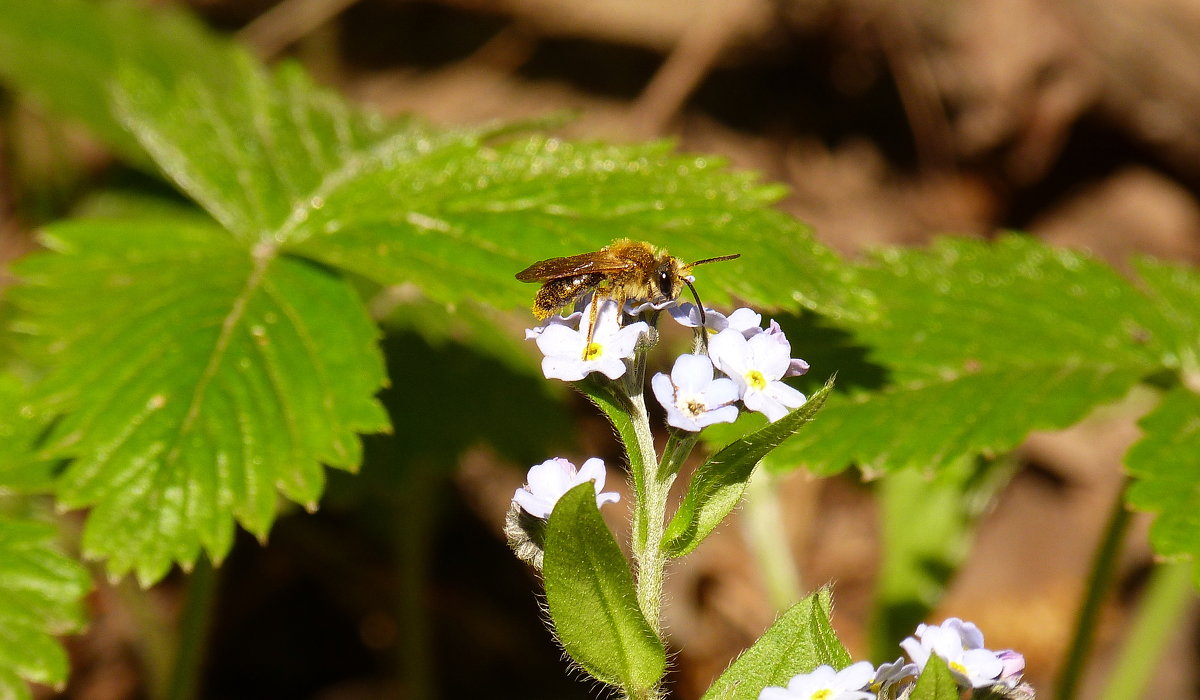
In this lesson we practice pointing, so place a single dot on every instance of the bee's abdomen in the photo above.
(557, 293)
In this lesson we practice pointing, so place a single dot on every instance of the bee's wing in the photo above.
(584, 263)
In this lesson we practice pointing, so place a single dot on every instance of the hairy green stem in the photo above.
(679, 446)
(764, 531)
(1157, 622)
(651, 514)
(1100, 580)
(184, 679)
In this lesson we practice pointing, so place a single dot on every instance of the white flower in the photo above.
(893, 672)
(796, 366)
(548, 481)
(826, 684)
(744, 320)
(756, 365)
(571, 321)
(960, 644)
(1014, 665)
(570, 356)
(687, 315)
(692, 397)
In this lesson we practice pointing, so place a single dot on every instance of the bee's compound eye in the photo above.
(664, 283)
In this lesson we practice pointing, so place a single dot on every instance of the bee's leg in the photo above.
(593, 314)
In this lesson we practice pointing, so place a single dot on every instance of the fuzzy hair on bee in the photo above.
(624, 270)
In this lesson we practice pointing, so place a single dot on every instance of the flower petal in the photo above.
(592, 470)
(692, 373)
(768, 356)
(721, 391)
(564, 368)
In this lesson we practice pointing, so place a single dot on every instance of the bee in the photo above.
(623, 270)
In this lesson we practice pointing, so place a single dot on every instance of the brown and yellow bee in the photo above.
(623, 270)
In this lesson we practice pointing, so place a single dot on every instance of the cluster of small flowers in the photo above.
(958, 643)
(752, 359)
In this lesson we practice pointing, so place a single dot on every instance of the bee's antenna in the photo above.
(703, 321)
(699, 304)
(716, 259)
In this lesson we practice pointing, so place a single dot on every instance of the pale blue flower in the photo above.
(893, 672)
(547, 482)
(757, 364)
(570, 355)
(570, 321)
(746, 321)
(960, 644)
(692, 397)
(824, 683)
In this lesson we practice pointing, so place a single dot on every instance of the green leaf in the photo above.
(799, 641)
(41, 593)
(473, 214)
(21, 470)
(918, 562)
(936, 682)
(258, 150)
(984, 342)
(193, 379)
(1174, 291)
(1165, 465)
(458, 214)
(718, 485)
(591, 597)
(66, 53)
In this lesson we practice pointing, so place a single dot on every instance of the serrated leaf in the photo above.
(592, 600)
(476, 213)
(65, 53)
(40, 597)
(1165, 465)
(258, 150)
(718, 484)
(194, 380)
(984, 343)
(936, 682)
(21, 470)
(1174, 291)
(456, 215)
(931, 426)
(800, 640)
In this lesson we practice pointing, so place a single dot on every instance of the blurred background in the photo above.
(1075, 120)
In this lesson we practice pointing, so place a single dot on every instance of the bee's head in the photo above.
(669, 276)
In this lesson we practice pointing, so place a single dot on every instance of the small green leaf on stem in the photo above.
(800, 640)
(935, 682)
(718, 485)
(592, 600)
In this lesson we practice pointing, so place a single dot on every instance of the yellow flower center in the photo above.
(824, 693)
(694, 408)
(592, 351)
(955, 666)
(756, 380)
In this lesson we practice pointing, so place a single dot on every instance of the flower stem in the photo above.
(1163, 604)
(1099, 582)
(652, 508)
